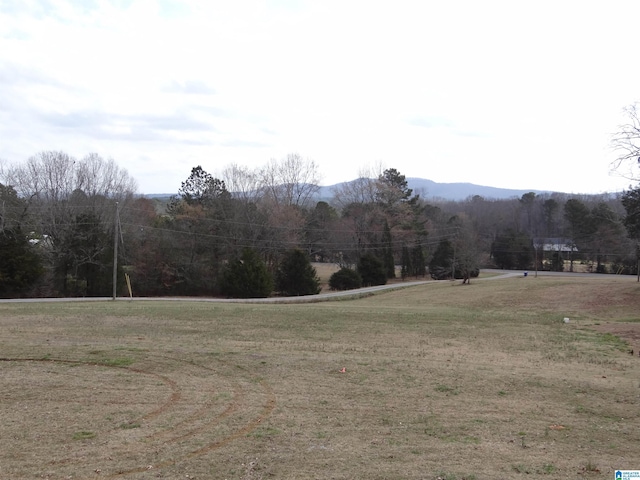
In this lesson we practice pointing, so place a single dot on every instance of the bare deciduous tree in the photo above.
(71, 203)
(626, 143)
(53, 176)
(362, 190)
(290, 181)
(97, 176)
(242, 182)
(46, 175)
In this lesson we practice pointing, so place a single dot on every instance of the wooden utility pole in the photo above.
(115, 251)
(638, 261)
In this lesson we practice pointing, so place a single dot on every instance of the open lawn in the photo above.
(438, 381)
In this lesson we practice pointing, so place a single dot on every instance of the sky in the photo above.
(511, 94)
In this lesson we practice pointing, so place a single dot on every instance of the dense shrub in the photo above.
(247, 277)
(441, 265)
(512, 250)
(345, 279)
(372, 271)
(296, 275)
(20, 265)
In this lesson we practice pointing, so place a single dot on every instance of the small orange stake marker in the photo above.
(344, 370)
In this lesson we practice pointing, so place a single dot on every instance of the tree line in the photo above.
(255, 232)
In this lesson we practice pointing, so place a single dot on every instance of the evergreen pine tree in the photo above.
(407, 267)
(345, 279)
(20, 265)
(441, 264)
(247, 277)
(296, 275)
(417, 261)
(387, 252)
(371, 269)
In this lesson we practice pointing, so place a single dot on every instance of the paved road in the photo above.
(361, 292)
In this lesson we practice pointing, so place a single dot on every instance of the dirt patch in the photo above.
(627, 331)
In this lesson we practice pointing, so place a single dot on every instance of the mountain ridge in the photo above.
(427, 189)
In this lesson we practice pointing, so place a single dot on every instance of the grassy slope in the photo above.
(442, 381)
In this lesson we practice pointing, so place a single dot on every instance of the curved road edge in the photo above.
(321, 297)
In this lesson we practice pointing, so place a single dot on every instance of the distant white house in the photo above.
(41, 241)
(564, 245)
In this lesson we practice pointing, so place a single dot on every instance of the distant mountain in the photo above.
(428, 189)
(159, 195)
(461, 191)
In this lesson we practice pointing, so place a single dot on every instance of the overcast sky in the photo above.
(514, 94)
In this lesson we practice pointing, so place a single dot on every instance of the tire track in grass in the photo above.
(267, 409)
(174, 397)
(233, 406)
(185, 429)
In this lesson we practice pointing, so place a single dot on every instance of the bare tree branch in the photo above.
(626, 143)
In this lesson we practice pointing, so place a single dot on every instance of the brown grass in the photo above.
(441, 381)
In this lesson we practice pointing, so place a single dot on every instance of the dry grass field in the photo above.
(439, 381)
